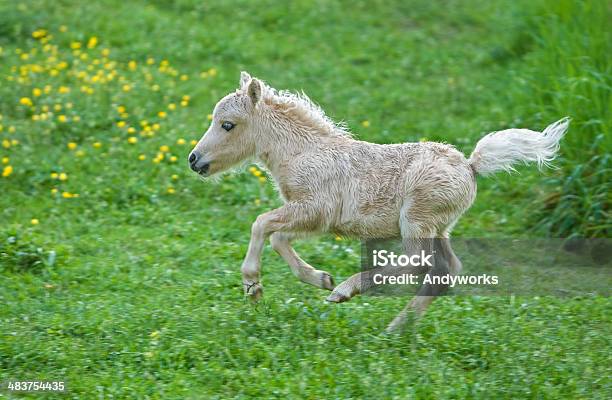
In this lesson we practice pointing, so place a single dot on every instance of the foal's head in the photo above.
(232, 134)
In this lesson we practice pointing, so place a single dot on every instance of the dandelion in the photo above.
(365, 123)
(120, 124)
(63, 176)
(72, 145)
(105, 52)
(64, 89)
(164, 149)
(209, 117)
(75, 45)
(171, 106)
(36, 92)
(6, 143)
(257, 173)
(97, 145)
(62, 118)
(252, 170)
(26, 101)
(338, 238)
(54, 191)
(67, 195)
(162, 114)
(5, 160)
(63, 28)
(212, 72)
(79, 153)
(34, 221)
(262, 179)
(132, 140)
(132, 65)
(173, 159)
(11, 129)
(93, 41)
(14, 142)
(155, 88)
(39, 34)
(76, 118)
(257, 202)
(184, 103)
(180, 141)
(171, 190)
(126, 88)
(150, 61)
(131, 130)
(7, 171)
(184, 77)
(142, 157)
(175, 177)
(193, 142)
(54, 175)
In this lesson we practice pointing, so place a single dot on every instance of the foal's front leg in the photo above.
(281, 243)
(291, 216)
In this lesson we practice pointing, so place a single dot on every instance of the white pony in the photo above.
(332, 183)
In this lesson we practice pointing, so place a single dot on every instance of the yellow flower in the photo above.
(72, 145)
(257, 202)
(5, 160)
(79, 153)
(365, 123)
(171, 190)
(142, 157)
(171, 106)
(131, 130)
(69, 105)
(7, 171)
(47, 89)
(175, 177)
(132, 140)
(63, 176)
(121, 109)
(39, 34)
(338, 238)
(64, 89)
(155, 88)
(11, 129)
(209, 117)
(161, 114)
(93, 41)
(54, 191)
(212, 72)
(184, 103)
(76, 118)
(14, 142)
(257, 173)
(126, 88)
(6, 143)
(252, 170)
(26, 101)
(173, 159)
(36, 92)
(164, 148)
(184, 77)
(63, 28)
(54, 175)
(57, 107)
(34, 221)
(193, 142)
(67, 195)
(262, 179)
(75, 45)
(132, 65)
(121, 124)
(150, 61)
(186, 97)
(97, 145)
(62, 118)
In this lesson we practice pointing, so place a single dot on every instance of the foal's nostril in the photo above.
(192, 158)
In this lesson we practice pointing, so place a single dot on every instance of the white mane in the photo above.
(300, 107)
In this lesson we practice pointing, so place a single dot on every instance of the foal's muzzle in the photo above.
(197, 164)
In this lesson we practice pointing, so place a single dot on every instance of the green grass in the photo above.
(132, 290)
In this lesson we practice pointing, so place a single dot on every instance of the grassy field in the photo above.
(120, 268)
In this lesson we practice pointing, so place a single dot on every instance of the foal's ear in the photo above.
(244, 79)
(254, 90)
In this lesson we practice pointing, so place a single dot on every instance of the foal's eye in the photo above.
(228, 126)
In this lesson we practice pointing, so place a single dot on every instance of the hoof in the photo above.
(327, 282)
(254, 292)
(336, 297)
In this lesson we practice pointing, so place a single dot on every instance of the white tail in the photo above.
(501, 150)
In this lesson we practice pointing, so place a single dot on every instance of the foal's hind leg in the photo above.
(281, 243)
(446, 263)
